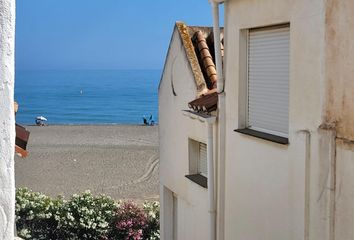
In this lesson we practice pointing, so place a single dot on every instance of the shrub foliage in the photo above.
(84, 216)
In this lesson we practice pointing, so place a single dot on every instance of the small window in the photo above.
(201, 160)
(198, 162)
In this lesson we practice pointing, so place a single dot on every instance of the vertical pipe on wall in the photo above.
(307, 155)
(221, 118)
(217, 46)
(211, 181)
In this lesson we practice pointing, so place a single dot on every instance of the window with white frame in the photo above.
(267, 108)
(198, 162)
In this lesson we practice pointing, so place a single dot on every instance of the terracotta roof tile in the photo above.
(198, 43)
(206, 103)
(203, 41)
(205, 59)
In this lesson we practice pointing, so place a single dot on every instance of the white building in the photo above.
(282, 145)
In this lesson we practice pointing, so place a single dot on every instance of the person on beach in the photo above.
(145, 121)
(148, 122)
(40, 121)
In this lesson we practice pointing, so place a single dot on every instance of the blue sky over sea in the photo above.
(94, 34)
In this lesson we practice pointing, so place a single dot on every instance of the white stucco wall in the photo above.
(302, 190)
(278, 191)
(344, 208)
(339, 109)
(7, 121)
(174, 130)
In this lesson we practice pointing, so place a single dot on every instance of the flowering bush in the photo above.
(37, 215)
(130, 222)
(87, 217)
(152, 210)
(134, 223)
(84, 217)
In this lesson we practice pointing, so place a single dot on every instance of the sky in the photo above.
(100, 34)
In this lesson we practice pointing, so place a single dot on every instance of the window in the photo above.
(198, 162)
(202, 160)
(267, 99)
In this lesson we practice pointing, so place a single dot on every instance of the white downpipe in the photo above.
(211, 182)
(210, 121)
(221, 132)
(218, 60)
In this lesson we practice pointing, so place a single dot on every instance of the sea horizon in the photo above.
(87, 97)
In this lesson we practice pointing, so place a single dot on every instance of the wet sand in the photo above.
(117, 160)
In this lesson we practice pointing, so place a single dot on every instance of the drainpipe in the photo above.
(216, 31)
(219, 225)
(210, 121)
(211, 179)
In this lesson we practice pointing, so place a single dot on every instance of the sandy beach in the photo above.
(118, 160)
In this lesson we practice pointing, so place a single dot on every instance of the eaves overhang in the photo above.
(202, 117)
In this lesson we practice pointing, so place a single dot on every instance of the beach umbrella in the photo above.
(41, 118)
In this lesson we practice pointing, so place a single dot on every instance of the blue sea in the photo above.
(87, 96)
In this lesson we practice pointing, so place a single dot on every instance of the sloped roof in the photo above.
(198, 44)
(186, 38)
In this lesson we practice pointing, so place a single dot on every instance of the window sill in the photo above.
(263, 135)
(198, 179)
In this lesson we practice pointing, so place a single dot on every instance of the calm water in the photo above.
(87, 97)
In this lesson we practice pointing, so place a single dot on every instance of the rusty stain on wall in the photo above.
(339, 70)
(345, 144)
(327, 177)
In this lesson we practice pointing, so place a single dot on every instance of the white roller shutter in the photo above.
(268, 80)
(202, 161)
